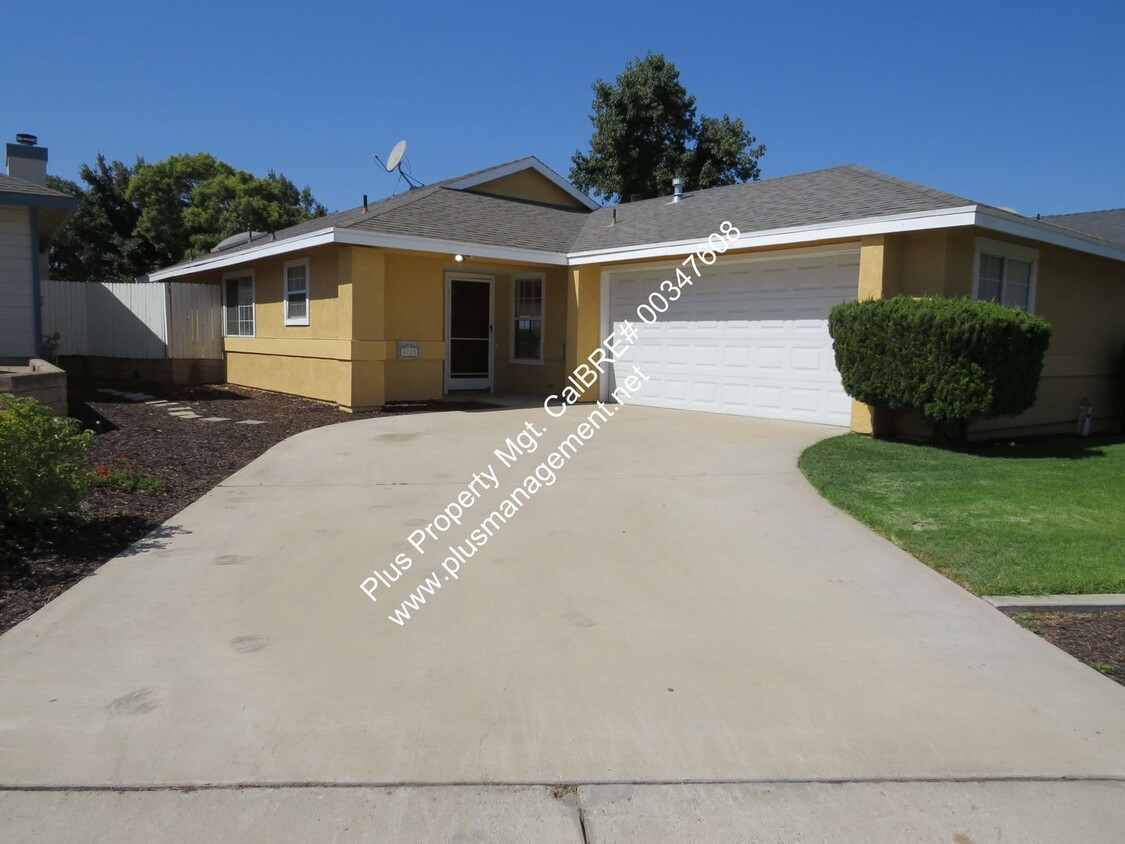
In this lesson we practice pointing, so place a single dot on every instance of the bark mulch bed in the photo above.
(1097, 637)
(189, 455)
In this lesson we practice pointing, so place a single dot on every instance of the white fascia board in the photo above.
(1044, 233)
(529, 163)
(944, 218)
(359, 238)
(254, 253)
(356, 237)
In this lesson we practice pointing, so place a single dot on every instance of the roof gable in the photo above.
(525, 178)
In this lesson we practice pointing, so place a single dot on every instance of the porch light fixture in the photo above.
(458, 257)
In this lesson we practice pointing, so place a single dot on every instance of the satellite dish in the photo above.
(394, 165)
(395, 158)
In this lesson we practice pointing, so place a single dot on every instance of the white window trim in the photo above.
(988, 246)
(300, 262)
(253, 303)
(542, 279)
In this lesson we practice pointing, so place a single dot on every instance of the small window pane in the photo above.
(1018, 272)
(988, 290)
(239, 302)
(1015, 295)
(527, 337)
(528, 341)
(991, 267)
(298, 307)
(297, 294)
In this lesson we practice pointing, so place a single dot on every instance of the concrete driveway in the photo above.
(678, 640)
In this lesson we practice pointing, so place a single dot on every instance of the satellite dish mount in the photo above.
(394, 164)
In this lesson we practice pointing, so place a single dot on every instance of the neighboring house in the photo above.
(30, 216)
(507, 278)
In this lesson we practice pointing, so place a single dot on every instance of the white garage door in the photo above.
(748, 338)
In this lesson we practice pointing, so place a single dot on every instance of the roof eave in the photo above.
(38, 200)
(353, 237)
(968, 215)
(839, 230)
(1007, 223)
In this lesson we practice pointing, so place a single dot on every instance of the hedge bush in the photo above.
(40, 475)
(955, 360)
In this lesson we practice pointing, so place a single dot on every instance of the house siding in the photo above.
(362, 302)
(1081, 295)
(17, 296)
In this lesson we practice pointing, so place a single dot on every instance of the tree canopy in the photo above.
(134, 219)
(647, 132)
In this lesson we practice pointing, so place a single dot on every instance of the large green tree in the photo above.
(647, 132)
(100, 242)
(132, 220)
(189, 202)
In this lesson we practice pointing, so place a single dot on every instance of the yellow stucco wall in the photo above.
(415, 310)
(583, 319)
(364, 299)
(1081, 295)
(307, 360)
(532, 378)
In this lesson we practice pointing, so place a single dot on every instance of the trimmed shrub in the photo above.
(40, 475)
(955, 360)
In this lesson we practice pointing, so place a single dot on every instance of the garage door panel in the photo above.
(750, 338)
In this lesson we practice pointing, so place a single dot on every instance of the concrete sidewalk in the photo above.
(679, 607)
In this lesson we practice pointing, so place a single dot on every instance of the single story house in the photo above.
(30, 216)
(507, 278)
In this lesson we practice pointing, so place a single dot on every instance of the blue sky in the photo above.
(1014, 104)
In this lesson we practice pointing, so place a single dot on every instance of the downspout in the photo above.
(36, 282)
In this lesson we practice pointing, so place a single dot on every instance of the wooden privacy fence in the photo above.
(140, 321)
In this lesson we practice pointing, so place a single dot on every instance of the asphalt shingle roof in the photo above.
(820, 197)
(10, 184)
(435, 211)
(848, 192)
(480, 218)
(1106, 225)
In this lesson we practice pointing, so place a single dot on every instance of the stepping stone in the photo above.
(137, 396)
(251, 422)
(216, 419)
(186, 414)
(108, 390)
(158, 401)
(172, 407)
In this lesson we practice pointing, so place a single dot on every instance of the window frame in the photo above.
(1004, 251)
(240, 274)
(514, 318)
(288, 320)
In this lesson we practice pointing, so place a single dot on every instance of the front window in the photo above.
(297, 293)
(527, 334)
(1005, 274)
(240, 306)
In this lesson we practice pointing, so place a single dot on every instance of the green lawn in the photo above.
(1032, 518)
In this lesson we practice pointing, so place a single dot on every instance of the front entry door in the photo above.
(468, 359)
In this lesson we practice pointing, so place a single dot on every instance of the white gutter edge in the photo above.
(944, 218)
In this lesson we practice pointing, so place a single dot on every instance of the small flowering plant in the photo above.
(122, 473)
